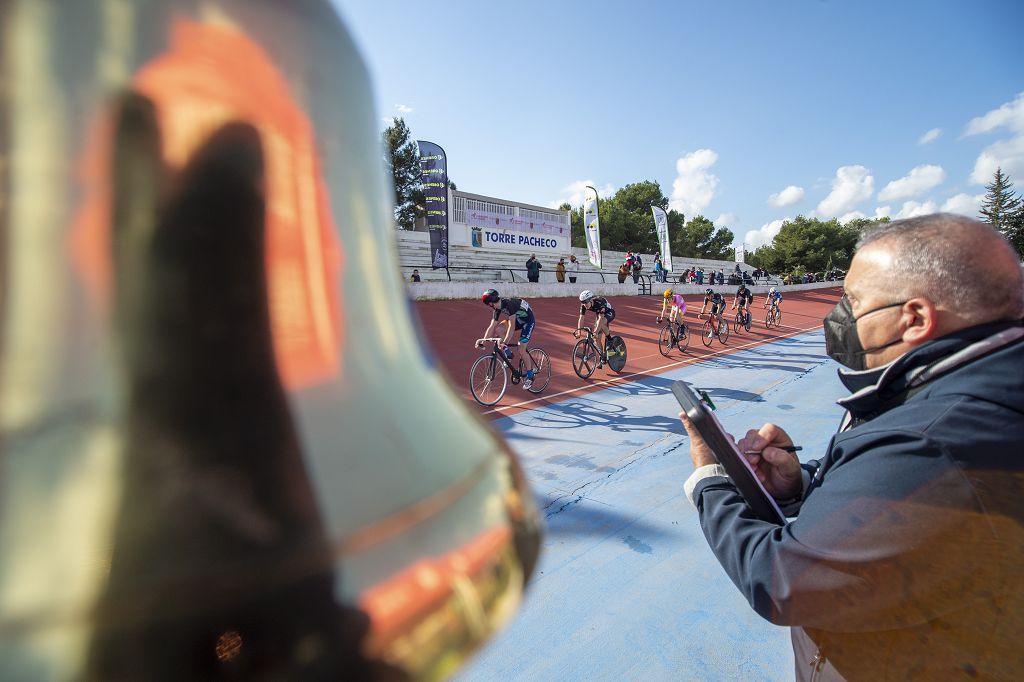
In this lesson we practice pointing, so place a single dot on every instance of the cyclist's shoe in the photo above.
(527, 383)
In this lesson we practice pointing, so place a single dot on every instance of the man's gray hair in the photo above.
(953, 261)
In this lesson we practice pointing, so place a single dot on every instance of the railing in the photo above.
(497, 268)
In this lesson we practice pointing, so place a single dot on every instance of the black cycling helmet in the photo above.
(490, 296)
(709, 291)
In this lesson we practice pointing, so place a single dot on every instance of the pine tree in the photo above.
(1000, 204)
(402, 158)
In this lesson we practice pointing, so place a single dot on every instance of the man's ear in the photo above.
(919, 320)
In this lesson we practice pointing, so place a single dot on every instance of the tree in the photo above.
(1000, 203)
(1003, 209)
(402, 158)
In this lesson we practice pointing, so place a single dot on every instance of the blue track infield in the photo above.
(626, 587)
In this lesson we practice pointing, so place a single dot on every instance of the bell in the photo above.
(223, 452)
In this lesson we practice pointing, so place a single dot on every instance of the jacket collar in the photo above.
(872, 390)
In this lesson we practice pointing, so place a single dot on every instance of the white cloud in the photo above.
(917, 182)
(852, 185)
(964, 204)
(726, 219)
(786, 197)
(852, 215)
(1008, 153)
(573, 193)
(882, 212)
(694, 186)
(403, 109)
(765, 235)
(1009, 115)
(1005, 154)
(912, 209)
(930, 136)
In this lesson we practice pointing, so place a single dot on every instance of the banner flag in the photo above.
(592, 226)
(661, 227)
(434, 174)
(741, 253)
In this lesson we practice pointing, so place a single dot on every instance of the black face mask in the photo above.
(841, 341)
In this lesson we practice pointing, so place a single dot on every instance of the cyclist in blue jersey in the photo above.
(518, 309)
(717, 302)
(605, 314)
(774, 299)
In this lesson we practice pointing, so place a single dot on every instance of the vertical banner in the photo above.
(434, 175)
(741, 253)
(661, 227)
(592, 226)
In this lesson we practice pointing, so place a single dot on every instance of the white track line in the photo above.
(650, 372)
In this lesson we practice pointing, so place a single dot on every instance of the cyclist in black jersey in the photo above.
(519, 310)
(743, 298)
(717, 302)
(605, 314)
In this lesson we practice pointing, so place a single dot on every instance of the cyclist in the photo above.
(519, 309)
(669, 298)
(605, 314)
(774, 299)
(717, 302)
(743, 299)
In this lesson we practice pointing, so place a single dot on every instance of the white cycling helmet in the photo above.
(586, 295)
(772, 290)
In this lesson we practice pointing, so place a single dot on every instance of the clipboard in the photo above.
(725, 451)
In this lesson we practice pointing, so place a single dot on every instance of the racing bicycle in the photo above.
(773, 318)
(673, 335)
(490, 373)
(713, 330)
(586, 355)
(742, 320)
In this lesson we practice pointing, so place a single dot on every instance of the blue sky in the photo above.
(745, 111)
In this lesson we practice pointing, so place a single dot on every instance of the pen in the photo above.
(787, 448)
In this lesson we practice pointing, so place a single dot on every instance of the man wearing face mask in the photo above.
(905, 548)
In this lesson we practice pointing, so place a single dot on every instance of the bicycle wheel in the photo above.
(683, 338)
(723, 332)
(768, 320)
(665, 340)
(616, 353)
(488, 379)
(584, 358)
(746, 321)
(778, 317)
(542, 375)
(737, 323)
(708, 334)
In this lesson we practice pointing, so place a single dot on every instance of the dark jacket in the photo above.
(533, 267)
(906, 557)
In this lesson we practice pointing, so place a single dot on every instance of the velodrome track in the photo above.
(453, 326)
(626, 587)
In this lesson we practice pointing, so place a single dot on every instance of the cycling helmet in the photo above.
(586, 295)
(667, 294)
(772, 290)
(709, 291)
(490, 296)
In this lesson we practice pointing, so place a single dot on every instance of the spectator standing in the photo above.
(533, 267)
(721, 277)
(415, 275)
(573, 268)
(560, 270)
(659, 271)
(623, 272)
(700, 276)
(638, 263)
(903, 556)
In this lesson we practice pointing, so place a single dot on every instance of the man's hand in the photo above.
(700, 453)
(479, 343)
(778, 470)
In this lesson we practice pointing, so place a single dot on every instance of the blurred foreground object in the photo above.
(223, 454)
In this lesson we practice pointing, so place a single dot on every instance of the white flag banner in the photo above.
(740, 254)
(592, 226)
(661, 227)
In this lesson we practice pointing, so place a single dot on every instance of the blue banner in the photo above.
(434, 174)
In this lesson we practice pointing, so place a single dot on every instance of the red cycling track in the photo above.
(452, 327)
